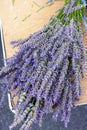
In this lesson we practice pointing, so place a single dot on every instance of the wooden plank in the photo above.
(28, 16)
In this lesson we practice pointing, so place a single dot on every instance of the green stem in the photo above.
(77, 14)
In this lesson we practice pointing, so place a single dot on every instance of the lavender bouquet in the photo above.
(45, 72)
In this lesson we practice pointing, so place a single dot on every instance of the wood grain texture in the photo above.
(26, 17)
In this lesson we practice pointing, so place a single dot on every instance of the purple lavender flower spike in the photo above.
(46, 70)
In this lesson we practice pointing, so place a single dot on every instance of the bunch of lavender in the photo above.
(45, 72)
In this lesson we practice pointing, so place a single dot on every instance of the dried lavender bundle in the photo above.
(45, 72)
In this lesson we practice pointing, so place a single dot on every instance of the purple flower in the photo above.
(46, 70)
